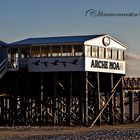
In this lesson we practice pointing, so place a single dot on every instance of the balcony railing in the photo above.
(3, 67)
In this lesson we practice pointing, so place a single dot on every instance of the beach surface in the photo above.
(105, 132)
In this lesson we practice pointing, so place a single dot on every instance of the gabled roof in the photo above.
(54, 40)
(2, 43)
(99, 42)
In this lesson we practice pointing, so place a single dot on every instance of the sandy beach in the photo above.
(119, 132)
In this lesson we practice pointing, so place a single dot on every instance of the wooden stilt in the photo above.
(41, 96)
(139, 104)
(111, 96)
(86, 102)
(69, 99)
(81, 98)
(71, 102)
(24, 111)
(122, 107)
(131, 106)
(98, 98)
(111, 104)
(54, 98)
(2, 111)
(1, 118)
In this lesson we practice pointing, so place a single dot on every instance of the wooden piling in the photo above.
(111, 104)
(86, 100)
(54, 98)
(69, 98)
(98, 98)
(122, 106)
(131, 106)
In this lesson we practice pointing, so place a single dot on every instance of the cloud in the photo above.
(131, 56)
(132, 65)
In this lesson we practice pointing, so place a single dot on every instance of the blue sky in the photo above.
(20, 19)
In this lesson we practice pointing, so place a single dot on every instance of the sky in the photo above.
(20, 19)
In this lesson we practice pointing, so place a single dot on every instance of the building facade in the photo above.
(62, 80)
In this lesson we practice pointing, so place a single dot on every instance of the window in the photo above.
(66, 50)
(25, 52)
(77, 50)
(95, 51)
(36, 52)
(46, 51)
(56, 51)
(120, 55)
(13, 57)
(114, 54)
(88, 50)
(101, 52)
(108, 53)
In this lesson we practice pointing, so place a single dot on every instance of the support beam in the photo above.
(81, 97)
(139, 102)
(86, 101)
(98, 99)
(41, 96)
(112, 93)
(111, 104)
(122, 106)
(54, 98)
(131, 106)
(69, 99)
(2, 111)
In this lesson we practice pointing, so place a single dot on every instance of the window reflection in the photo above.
(108, 53)
(88, 50)
(114, 54)
(120, 55)
(101, 52)
(69, 50)
(46, 52)
(25, 52)
(56, 51)
(66, 50)
(95, 52)
(78, 50)
(36, 52)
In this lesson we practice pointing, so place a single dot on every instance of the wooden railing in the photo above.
(131, 83)
(3, 67)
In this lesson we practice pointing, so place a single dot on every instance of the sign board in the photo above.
(75, 64)
(104, 65)
(56, 64)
